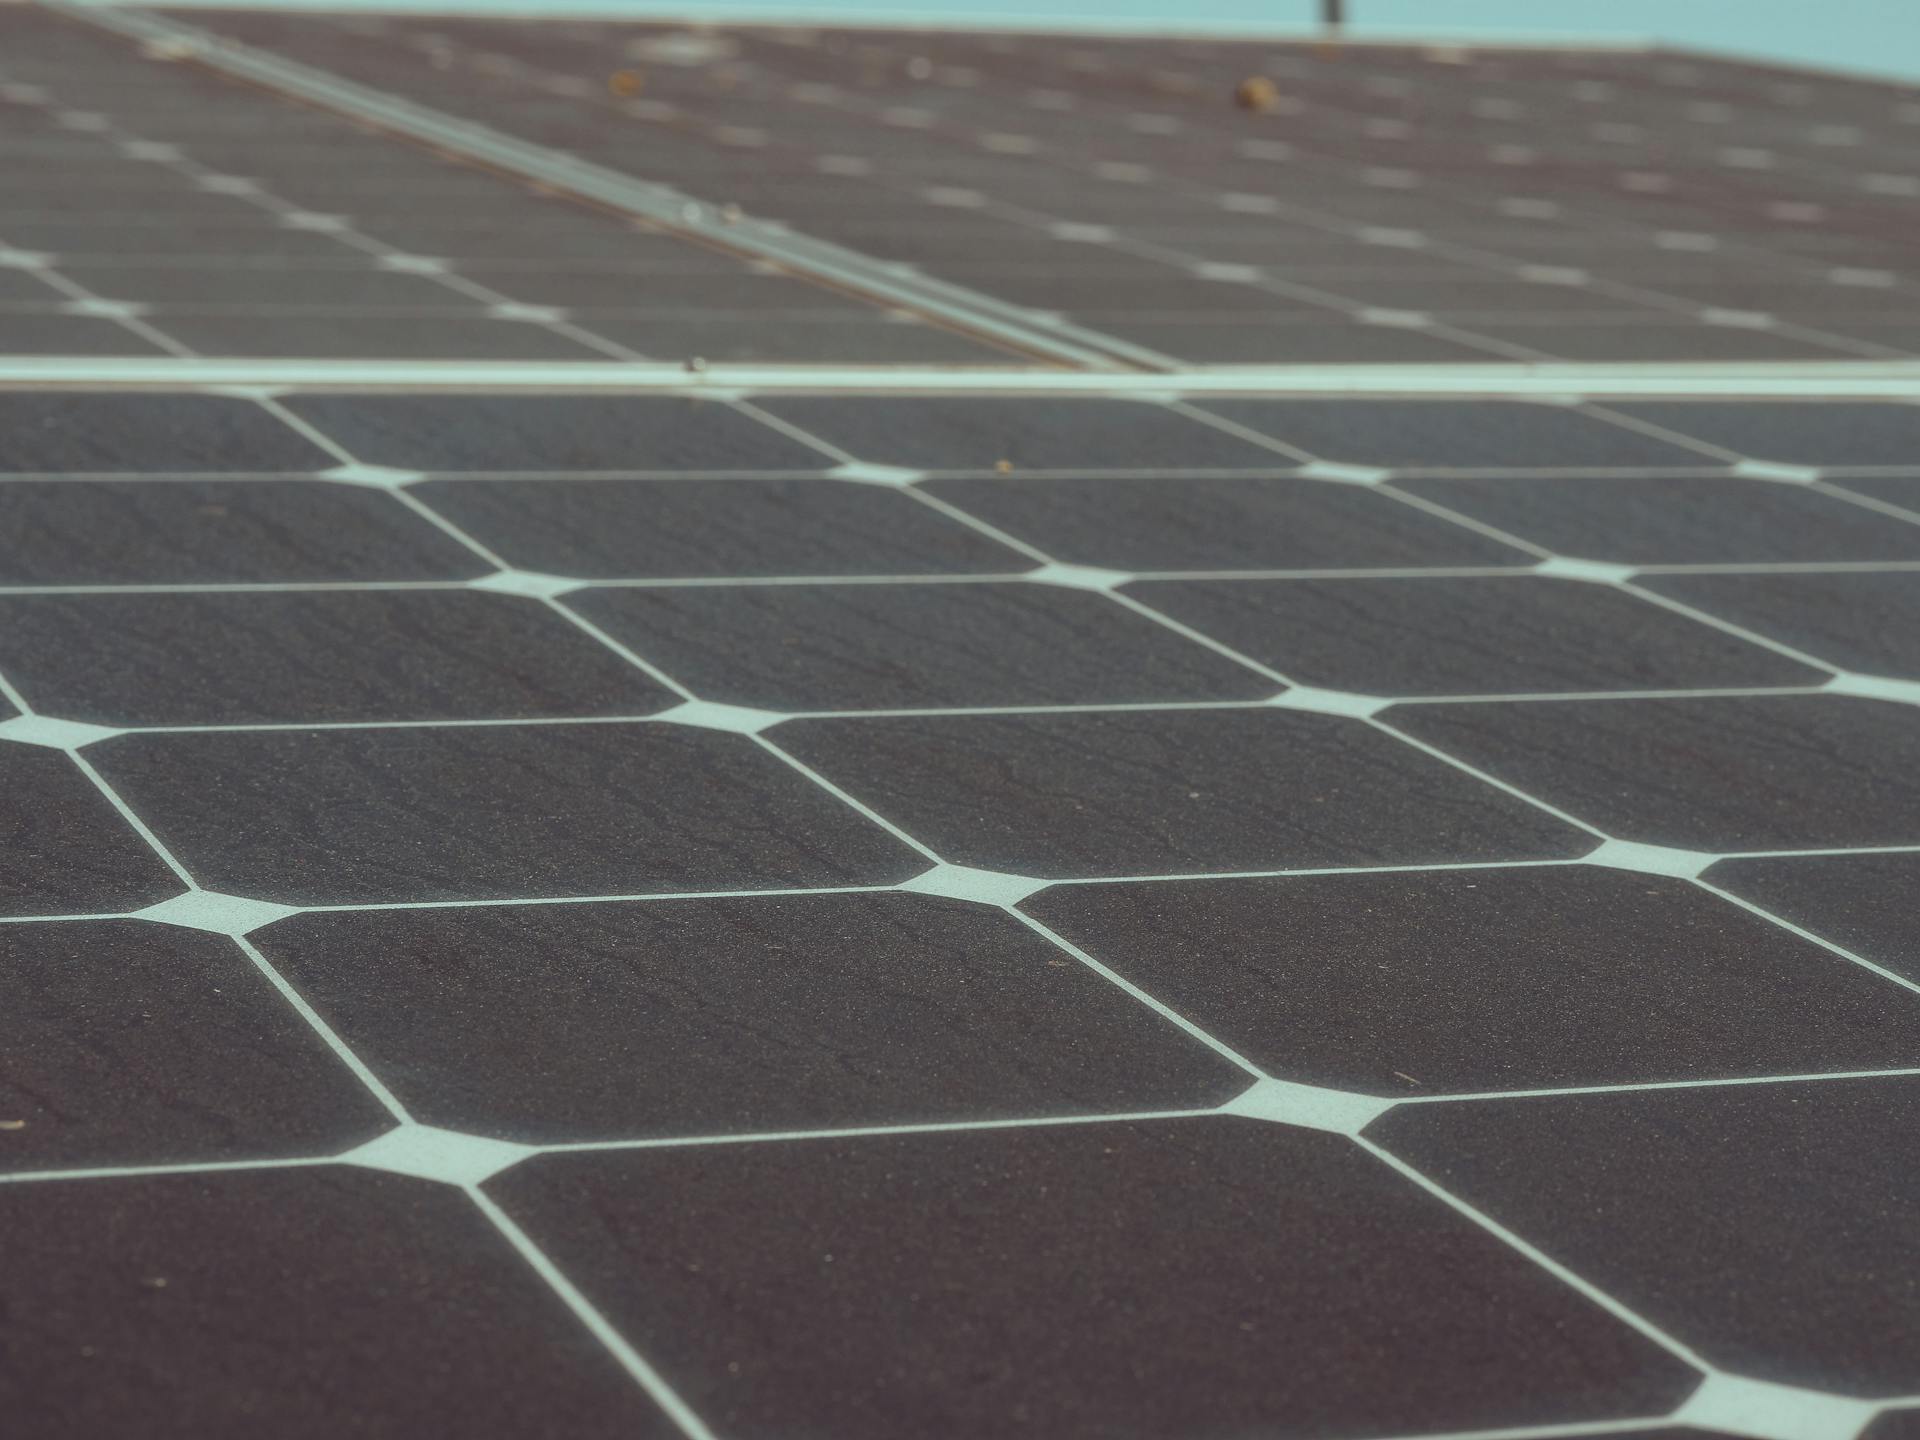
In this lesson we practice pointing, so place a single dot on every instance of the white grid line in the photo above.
(985, 577)
(635, 1364)
(691, 1423)
(177, 161)
(1680, 306)
(982, 317)
(504, 67)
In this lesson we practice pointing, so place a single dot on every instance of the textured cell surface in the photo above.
(682, 760)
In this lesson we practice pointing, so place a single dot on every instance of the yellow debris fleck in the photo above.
(1256, 93)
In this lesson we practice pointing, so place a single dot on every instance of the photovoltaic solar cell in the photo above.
(953, 902)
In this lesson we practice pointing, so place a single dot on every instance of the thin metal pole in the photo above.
(1333, 13)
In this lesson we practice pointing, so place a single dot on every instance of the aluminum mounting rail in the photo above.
(1895, 380)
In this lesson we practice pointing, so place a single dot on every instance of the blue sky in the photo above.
(1870, 36)
(1875, 36)
(1878, 36)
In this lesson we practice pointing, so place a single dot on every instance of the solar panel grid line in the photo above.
(184, 1167)
(683, 1416)
(1448, 730)
(1487, 777)
(1624, 1426)
(1824, 942)
(1270, 283)
(995, 577)
(655, 896)
(635, 1364)
(341, 452)
(611, 1337)
(1597, 857)
(600, 636)
(1786, 567)
(412, 266)
(1508, 538)
(826, 449)
(181, 162)
(1565, 1275)
(1273, 284)
(949, 711)
(310, 1017)
(959, 298)
(1280, 873)
(603, 1332)
(1841, 344)
(298, 309)
(1871, 502)
(1486, 257)
(970, 313)
(1165, 1012)
(125, 811)
(1615, 416)
(1814, 478)
(1438, 753)
(1466, 522)
(991, 532)
(675, 1142)
(1679, 304)
(84, 301)
(1731, 246)
(1130, 602)
(1538, 1256)
(1742, 632)
(620, 648)
(1504, 348)
(1466, 336)
(1601, 219)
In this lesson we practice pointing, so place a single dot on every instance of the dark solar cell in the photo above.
(1641, 521)
(47, 431)
(1755, 773)
(1804, 434)
(1221, 524)
(551, 433)
(1415, 984)
(1134, 793)
(303, 655)
(616, 529)
(1821, 1313)
(981, 434)
(94, 1020)
(1296, 1243)
(491, 812)
(832, 647)
(232, 1286)
(781, 1013)
(1866, 620)
(1465, 434)
(1472, 635)
(69, 532)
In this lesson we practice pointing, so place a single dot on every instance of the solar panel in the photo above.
(746, 732)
